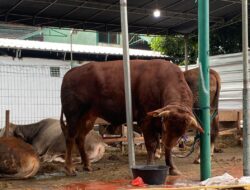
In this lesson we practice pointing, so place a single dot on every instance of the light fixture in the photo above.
(157, 13)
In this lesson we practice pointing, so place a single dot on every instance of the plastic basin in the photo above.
(151, 174)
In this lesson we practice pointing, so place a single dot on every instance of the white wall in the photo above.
(28, 90)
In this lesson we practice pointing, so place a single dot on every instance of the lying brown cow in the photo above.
(192, 78)
(18, 159)
(162, 103)
(47, 139)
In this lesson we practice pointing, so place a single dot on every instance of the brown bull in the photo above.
(192, 78)
(18, 160)
(162, 104)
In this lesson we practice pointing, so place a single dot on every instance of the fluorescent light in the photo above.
(157, 13)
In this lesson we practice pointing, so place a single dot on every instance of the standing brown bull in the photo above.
(162, 104)
(192, 78)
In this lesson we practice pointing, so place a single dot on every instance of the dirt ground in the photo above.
(114, 167)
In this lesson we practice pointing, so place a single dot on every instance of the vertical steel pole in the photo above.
(246, 129)
(186, 51)
(204, 86)
(127, 81)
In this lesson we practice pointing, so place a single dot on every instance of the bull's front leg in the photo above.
(151, 145)
(158, 151)
(169, 162)
(150, 155)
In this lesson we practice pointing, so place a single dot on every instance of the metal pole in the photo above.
(204, 86)
(186, 51)
(246, 129)
(127, 81)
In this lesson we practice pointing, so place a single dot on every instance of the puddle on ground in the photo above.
(171, 182)
(50, 176)
(96, 185)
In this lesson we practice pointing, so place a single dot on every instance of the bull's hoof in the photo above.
(174, 172)
(218, 150)
(70, 171)
(196, 161)
(157, 155)
(87, 168)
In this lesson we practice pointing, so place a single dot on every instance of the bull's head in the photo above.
(175, 120)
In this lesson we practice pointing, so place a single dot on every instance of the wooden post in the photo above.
(122, 144)
(7, 123)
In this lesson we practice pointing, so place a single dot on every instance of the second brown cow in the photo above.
(192, 78)
(162, 104)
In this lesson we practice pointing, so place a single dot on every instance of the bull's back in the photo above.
(192, 78)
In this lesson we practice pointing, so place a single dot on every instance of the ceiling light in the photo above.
(157, 13)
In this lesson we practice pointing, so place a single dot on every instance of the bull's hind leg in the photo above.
(70, 131)
(214, 135)
(87, 124)
(70, 138)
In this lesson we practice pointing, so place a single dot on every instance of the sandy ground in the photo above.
(114, 167)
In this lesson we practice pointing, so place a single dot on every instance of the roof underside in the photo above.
(178, 16)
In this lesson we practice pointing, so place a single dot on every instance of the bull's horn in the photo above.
(193, 123)
(164, 113)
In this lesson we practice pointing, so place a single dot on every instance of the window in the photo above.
(103, 37)
(55, 71)
(109, 37)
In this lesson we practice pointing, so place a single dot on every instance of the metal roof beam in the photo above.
(45, 8)
(234, 20)
(173, 4)
(73, 10)
(116, 8)
(79, 21)
(222, 7)
(100, 12)
(211, 12)
(11, 9)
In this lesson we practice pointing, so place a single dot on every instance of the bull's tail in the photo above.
(218, 84)
(63, 125)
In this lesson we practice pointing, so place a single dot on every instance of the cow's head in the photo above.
(175, 120)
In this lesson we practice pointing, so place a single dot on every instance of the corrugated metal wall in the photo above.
(230, 69)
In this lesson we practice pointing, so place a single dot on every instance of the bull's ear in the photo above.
(194, 124)
(154, 113)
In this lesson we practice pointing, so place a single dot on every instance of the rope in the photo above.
(196, 139)
(197, 136)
